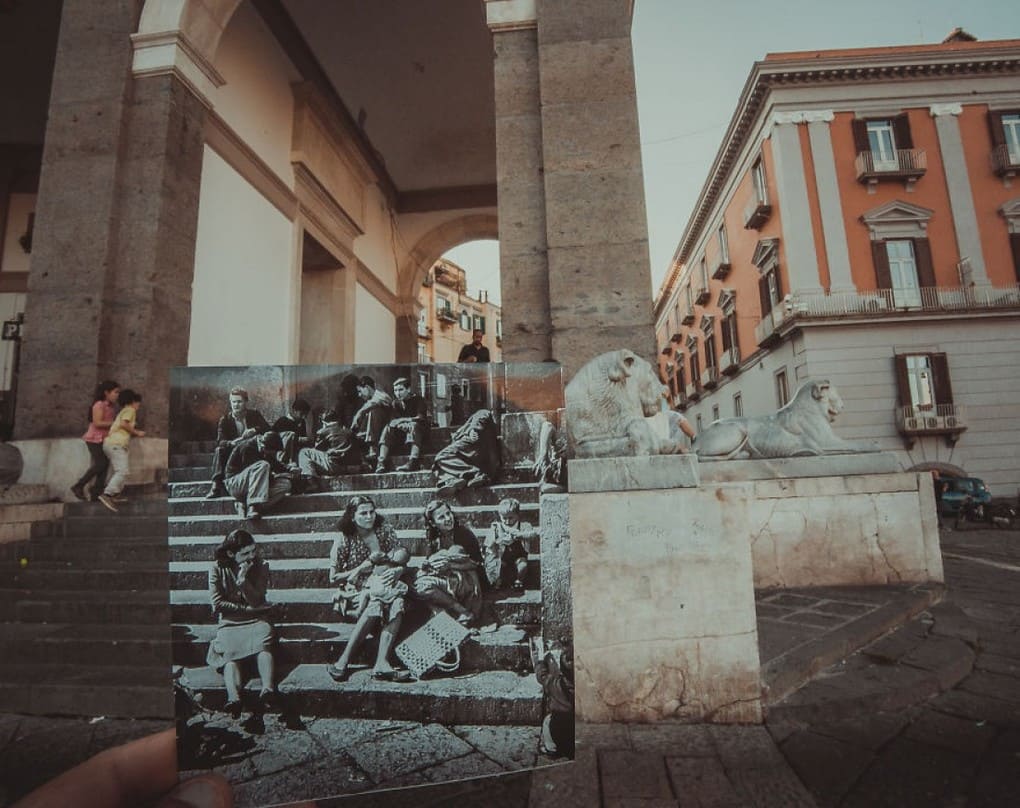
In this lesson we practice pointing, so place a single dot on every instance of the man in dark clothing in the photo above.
(239, 424)
(408, 424)
(255, 477)
(369, 421)
(334, 447)
(474, 351)
(293, 429)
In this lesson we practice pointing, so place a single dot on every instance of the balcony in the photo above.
(939, 419)
(694, 391)
(702, 295)
(710, 378)
(446, 316)
(756, 212)
(424, 331)
(1005, 161)
(765, 333)
(731, 361)
(721, 267)
(688, 318)
(908, 165)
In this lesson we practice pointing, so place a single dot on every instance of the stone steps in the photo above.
(486, 697)
(352, 478)
(84, 606)
(108, 690)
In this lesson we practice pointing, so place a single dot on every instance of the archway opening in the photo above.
(459, 295)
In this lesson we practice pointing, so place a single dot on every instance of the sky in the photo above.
(691, 60)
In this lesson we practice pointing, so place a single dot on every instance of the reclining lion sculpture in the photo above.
(607, 403)
(803, 427)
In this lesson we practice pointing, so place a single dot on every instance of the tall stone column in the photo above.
(961, 196)
(829, 200)
(791, 181)
(524, 266)
(596, 228)
(110, 281)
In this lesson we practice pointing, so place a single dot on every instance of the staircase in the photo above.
(494, 684)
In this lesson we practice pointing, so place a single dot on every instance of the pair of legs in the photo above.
(118, 457)
(233, 680)
(256, 489)
(397, 433)
(98, 466)
(386, 637)
(438, 599)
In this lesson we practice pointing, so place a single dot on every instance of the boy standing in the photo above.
(506, 557)
(116, 443)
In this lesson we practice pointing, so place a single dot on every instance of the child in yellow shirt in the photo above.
(116, 443)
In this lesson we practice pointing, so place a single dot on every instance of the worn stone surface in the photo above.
(633, 473)
(557, 603)
(791, 468)
(664, 622)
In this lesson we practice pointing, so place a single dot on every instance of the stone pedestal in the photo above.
(664, 615)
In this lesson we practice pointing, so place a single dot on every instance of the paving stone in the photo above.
(8, 729)
(950, 659)
(280, 748)
(978, 708)
(511, 747)
(602, 736)
(964, 736)
(951, 621)
(769, 610)
(665, 738)
(573, 785)
(780, 730)
(1001, 665)
(627, 774)
(637, 802)
(108, 733)
(867, 731)
(393, 755)
(775, 787)
(506, 791)
(909, 773)
(40, 750)
(318, 778)
(702, 782)
(989, 684)
(742, 747)
(340, 734)
(789, 599)
(893, 647)
(808, 618)
(473, 764)
(843, 608)
(998, 779)
(776, 638)
(827, 766)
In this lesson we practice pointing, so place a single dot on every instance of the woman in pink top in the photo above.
(103, 412)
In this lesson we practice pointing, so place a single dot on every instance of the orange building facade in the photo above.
(861, 223)
(449, 315)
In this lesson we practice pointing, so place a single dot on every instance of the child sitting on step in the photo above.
(383, 592)
(506, 556)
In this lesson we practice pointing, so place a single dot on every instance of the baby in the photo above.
(383, 592)
(506, 556)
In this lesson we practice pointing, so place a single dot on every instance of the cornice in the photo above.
(858, 69)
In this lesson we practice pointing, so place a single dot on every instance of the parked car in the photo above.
(960, 487)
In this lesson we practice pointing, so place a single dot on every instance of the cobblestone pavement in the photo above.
(960, 748)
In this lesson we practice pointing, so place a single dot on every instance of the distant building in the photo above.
(861, 223)
(449, 315)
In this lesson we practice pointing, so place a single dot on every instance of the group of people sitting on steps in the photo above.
(377, 587)
(257, 465)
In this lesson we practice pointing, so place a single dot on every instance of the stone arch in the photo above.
(420, 258)
(943, 468)
(200, 22)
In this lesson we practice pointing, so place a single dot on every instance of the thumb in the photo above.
(206, 791)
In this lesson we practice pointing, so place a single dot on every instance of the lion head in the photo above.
(827, 397)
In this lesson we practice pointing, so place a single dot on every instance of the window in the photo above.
(1011, 134)
(724, 247)
(710, 358)
(881, 143)
(761, 188)
(922, 380)
(499, 328)
(766, 258)
(1005, 129)
(715, 412)
(697, 420)
(692, 350)
(478, 323)
(442, 304)
(782, 388)
(738, 405)
(423, 356)
(904, 265)
(465, 320)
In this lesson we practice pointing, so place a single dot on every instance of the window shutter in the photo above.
(726, 325)
(901, 131)
(860, 130)
(779, 282)
(763, 294)
(902, 382)
(995, 128)
(925, 268)
(1014, 243)
(940, 373)
(881, 257)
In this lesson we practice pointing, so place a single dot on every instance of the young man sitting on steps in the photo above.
(408, 425)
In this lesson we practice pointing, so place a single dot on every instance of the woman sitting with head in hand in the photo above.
(238, 583)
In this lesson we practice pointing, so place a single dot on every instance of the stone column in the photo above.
(596, 227)
(829, 201)
(524, 268)
(798, 237)
(110, 282)
(961, 197)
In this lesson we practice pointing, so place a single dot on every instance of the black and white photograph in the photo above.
(369, 575)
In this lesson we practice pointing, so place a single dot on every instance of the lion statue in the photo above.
(607, 404)
(803, 427)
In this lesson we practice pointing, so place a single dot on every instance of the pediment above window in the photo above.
(727, 299)
(1011, 213)
(766, 254)
(707, 321)
(897, 219)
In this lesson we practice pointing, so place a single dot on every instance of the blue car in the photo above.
(960, 487)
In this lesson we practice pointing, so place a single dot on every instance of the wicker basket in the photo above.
(429, 646)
